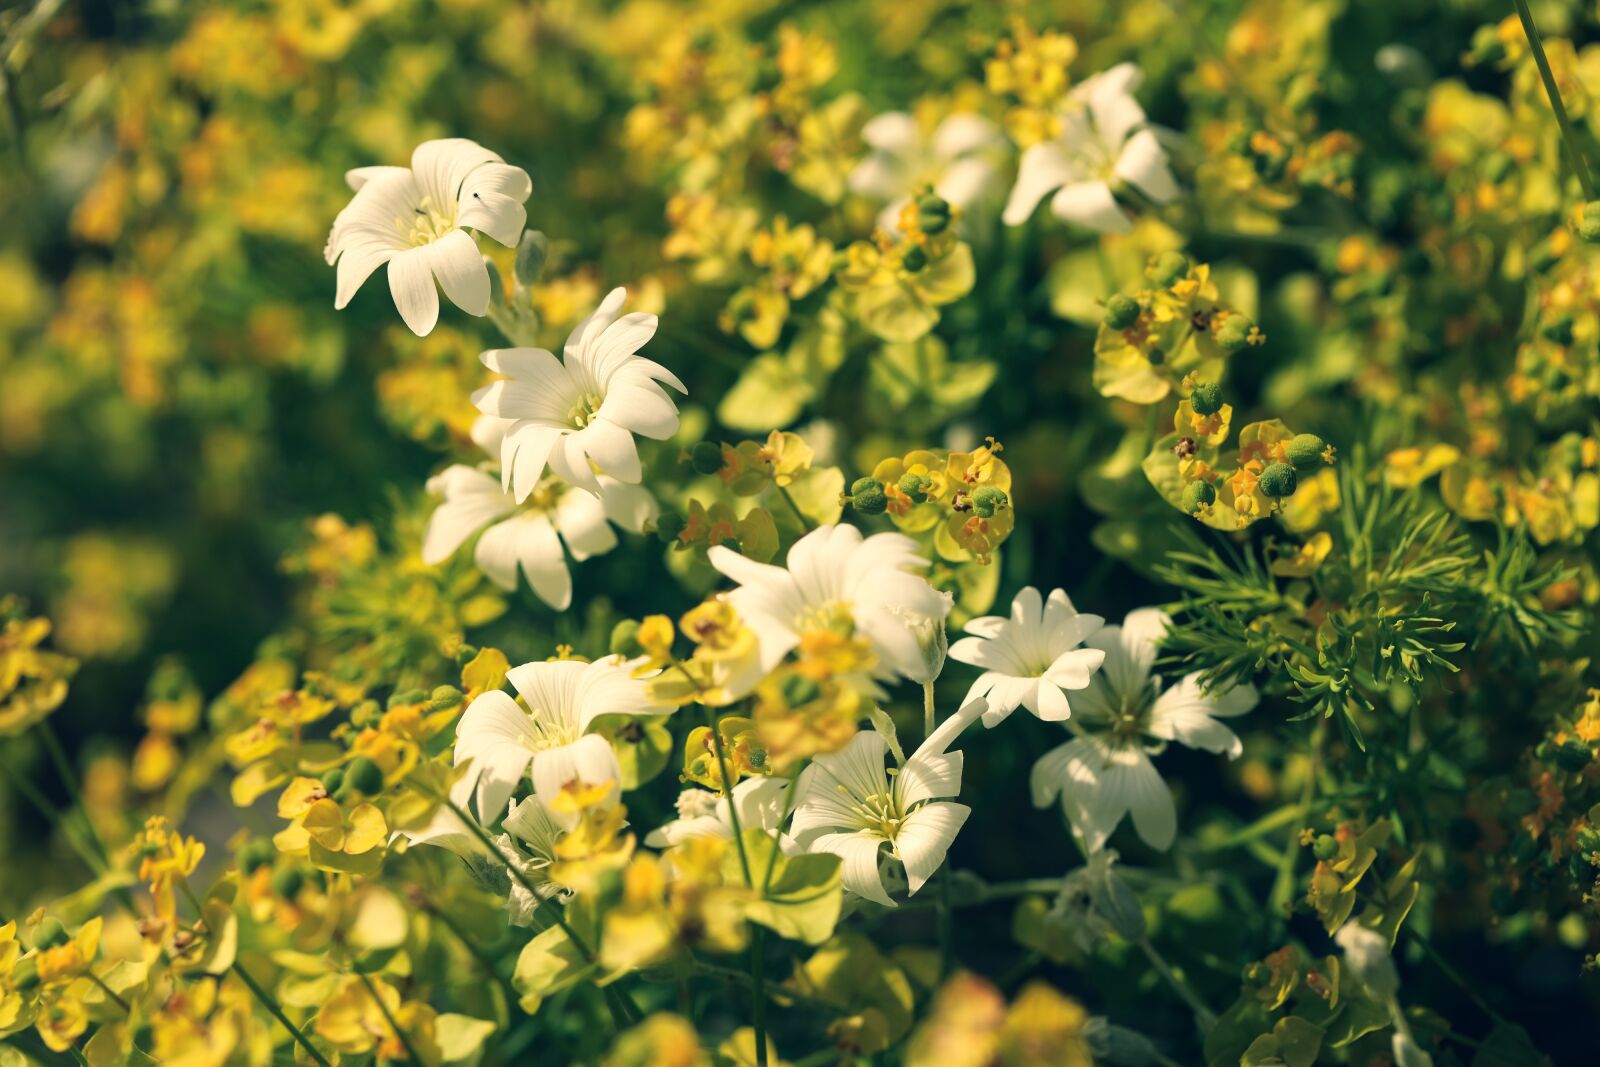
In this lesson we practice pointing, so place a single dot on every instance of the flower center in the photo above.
(879, 812)
(1129, 724)
(833, 617)
(584, 411)
(547, 730)
(427, 225)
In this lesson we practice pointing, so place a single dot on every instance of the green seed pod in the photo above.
(1589, 222)
(1233, 332)
(1197, 495)
(1156, 355)
(402, 697)
(1122, 311)
(1278, 481)
(444, 697)
(49, 933)
(625, 639)
(798, 690)
(365, 713)
(287, 882)
(333, 780)
(1167, 269)
(669, 524)
(364, 776)
(1206, 398)
(915, 258)
(1325, 847)
(1305, 451)
(868, 497)
(986, 500)
(466, 654)
(933, 214)
(914, 486)
(706, 457)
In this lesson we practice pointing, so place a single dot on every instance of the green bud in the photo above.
(444, 697)
(1156, 355)
(466, 654)
(798, 690)
(333, 780)
(256, 854)
(402, 697)
(1233, 332)
(1305, 451)
(1278, 481)
(914, 486)
(868, 497)
(669, 524)
(1167, 269)
(1197, 495)
(49, 933)
(364, 776)
(1486, 47)
(1122, 311)
(915, 258)
(625, 639)
(1206, 398)
(1573, 756)
(706, 457)
(1589, 222)
(986, 500)
(532, 252)
(287, 882)
(933, 214)
(365, 713)
(1325, 847)
(1588, 839)
(346, 795)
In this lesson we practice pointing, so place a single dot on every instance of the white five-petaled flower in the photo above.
(416, 219)
(550, 741)
(958, 160)
(1121, 719)
(1030, 658)
(837, 580)
(529, 537)
(583, 408)
(848, 804)
(1104, 140)
(759, 803)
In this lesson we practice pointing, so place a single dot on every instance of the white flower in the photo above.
(702, 813)
(1366, 953)
(531, 537)
(536, 831)
(1106, 773)
(416, 219)
(1104, 140)
(848, 804)
(550, 741)
(583, 407)
(838, 580)
(959, 161)
(1030, 658)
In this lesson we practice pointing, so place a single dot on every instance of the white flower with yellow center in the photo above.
(416, 219)
(959, 160)
(849, 804)
(549, 742)
(1032, 658)
(701, 813)
(581, 411)
(1121, 720)
(528, 537)
(1104, 141)
(837, 580)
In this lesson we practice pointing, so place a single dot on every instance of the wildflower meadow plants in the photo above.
(860, 533)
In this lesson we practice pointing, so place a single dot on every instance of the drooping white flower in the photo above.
(582, 408)
(528, 537)
(416, 219)
(1030, 659)
(530, 841)
(1121, 719)
(550, 741)
(848, 804)
(1104, 140)
(702, 813)
(837, 580)
(959, 160)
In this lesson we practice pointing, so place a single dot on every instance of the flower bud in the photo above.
(49, 933)
(706, 457)
(669, 524)
(1305, 451)
(333, 781)
(798, 690)
(444, 697)
(1366, 953)
(1116, 904)
(1233, 332)
(1589, 222)
(625, 639)
(364, 714)
(1167, 269)
(914, 486)
(1122, 311)
(287, 882)
(364, 776)
(868, 497)
(1278, 481)
(1156, 355)
(915, 258)
(466, 654)
(1573, 756)
(402, 697)
(256, 854)
(933, 214)
(1325, 847)
(986, 500)
(1197, 495)
(1206, 398)
(1486, 47)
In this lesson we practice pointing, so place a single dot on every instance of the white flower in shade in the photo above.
(1032, 658)
(1121, 720)
(848, 804)
(837, 580)
(1104, 141)
(702, 813)
(530, 841)
(583, 408)
(550, 741)
(416, 220)
(528, 537)
(959, 161)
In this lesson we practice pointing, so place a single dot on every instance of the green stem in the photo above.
(930, 718)
(1536, 46)
(58, 756)
(108, 991)
(473, 950)
(1283, 884)
(758, 999)
(805, 523)
(1204, 1018)
(388, 1016)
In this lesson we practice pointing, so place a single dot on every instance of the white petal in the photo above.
(462, 274)
(859, 867)
(411, 284)
(1090, 204)
(925, 837)
(612, 447)
(472, 498)
(629, 506)
(1044, 167)
(1049, 775)
(496, 735)
(963, 133)
(580, 518)
(589, 760)
(894, 132)
(1143, 165)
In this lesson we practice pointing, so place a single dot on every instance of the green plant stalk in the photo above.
(758, 999)
(1204, 1017)
(1540, 60)
(388, 1016)
(805, 523)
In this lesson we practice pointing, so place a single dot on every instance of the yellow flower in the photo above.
(33, 682)
(1408, 467)
(1306, 559)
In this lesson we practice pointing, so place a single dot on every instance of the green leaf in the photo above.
(461, 1037)
(768, 395)
(803, 898)
(1508, 1045)
(547, 964)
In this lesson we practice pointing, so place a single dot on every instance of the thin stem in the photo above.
(805, 523)
(1455, 976)
(1536, 46)
(1283, 884)
(472, 948)
(277, 1013)
(58, 756)
(758, 999)
(388, 1016)
(1204, 1019)
(112, 993)
(930, 717)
